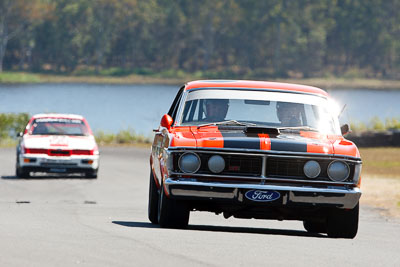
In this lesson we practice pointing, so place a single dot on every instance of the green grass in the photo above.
(128, 136)
(117, 75)
(375, 124)
(383, 162)
(8, 142)
(19, 77)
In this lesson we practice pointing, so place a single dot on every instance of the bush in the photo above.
(376, 124)
(123, 137)
(12, 123)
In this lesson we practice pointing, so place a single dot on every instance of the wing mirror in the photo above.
(166, 121)
(20, 134)
(345, 129)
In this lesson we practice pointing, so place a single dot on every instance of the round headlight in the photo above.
(189, 163)
(312, 169)
(216, 164)
(338, 171)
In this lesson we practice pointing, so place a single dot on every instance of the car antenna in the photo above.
(343, 108)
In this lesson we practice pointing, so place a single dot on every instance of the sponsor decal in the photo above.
(262, 196)
(234, 168)
(59, 120)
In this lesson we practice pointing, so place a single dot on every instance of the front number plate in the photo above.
(57, 170)
(262, 195)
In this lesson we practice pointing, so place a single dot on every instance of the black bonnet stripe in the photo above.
(240, 140)
(288, 145)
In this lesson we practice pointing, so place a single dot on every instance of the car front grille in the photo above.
(250, 166)
(292, 168)
(237, 165)
(56, 164)
(53, 152)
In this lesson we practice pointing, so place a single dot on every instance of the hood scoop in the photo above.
(262, 130)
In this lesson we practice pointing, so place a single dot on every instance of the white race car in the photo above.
(57, 143)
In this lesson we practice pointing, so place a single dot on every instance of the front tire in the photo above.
(91, 175)
(343, 223)
(172, 213)
(152, 210)
(21, 173)
(315, 227)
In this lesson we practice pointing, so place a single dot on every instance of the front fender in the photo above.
(153, 172)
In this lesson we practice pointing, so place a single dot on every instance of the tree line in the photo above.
(275, 38)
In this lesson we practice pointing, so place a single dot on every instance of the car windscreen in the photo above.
(261, 108)
(55, 126)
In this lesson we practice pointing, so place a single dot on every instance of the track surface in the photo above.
(68, 221)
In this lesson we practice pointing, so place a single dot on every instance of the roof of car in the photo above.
(58, 115)
(206, 84)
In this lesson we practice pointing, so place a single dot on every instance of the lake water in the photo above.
(112, 108)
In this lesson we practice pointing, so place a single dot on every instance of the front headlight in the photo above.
(338, 171)
(312, 169)
(189, 162)
(216, 164)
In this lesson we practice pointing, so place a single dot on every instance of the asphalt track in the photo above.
(71, 221)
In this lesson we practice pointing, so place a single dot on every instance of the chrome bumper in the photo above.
(339, 197)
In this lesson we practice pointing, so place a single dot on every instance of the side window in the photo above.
(174, 107)
(191, 111)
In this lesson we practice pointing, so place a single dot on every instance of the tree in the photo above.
(17, 16)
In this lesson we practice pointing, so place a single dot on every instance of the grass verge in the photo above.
(19, 77)
(179, 77)
(383, 193)
(124, 137)
(381, 162)
(381, 179)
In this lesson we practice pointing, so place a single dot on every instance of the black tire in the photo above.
(172, 213)
(153, 200)
(343, 223)
(91, 175)
(315, 227)
(21, 173)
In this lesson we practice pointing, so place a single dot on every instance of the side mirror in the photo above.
(166, 121)
(345, 129)
(20, 134)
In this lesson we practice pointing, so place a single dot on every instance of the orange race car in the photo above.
(253, 149)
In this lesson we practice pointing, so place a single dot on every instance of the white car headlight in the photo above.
(338, 171)
(216, 164)
(189, 162)
(312, 169)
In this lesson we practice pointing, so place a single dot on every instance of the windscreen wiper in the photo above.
(298, 128)
(229, 122)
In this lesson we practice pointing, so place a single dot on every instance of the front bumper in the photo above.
(70, 164)
(289, 195)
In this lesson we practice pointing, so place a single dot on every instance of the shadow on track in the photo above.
(227, 229)
(46, 177)
(136, 224)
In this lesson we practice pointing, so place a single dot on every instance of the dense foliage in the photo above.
(12, 123)
(225, 38)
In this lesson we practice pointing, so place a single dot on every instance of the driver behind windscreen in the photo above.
(216, 109)
(289, 114)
